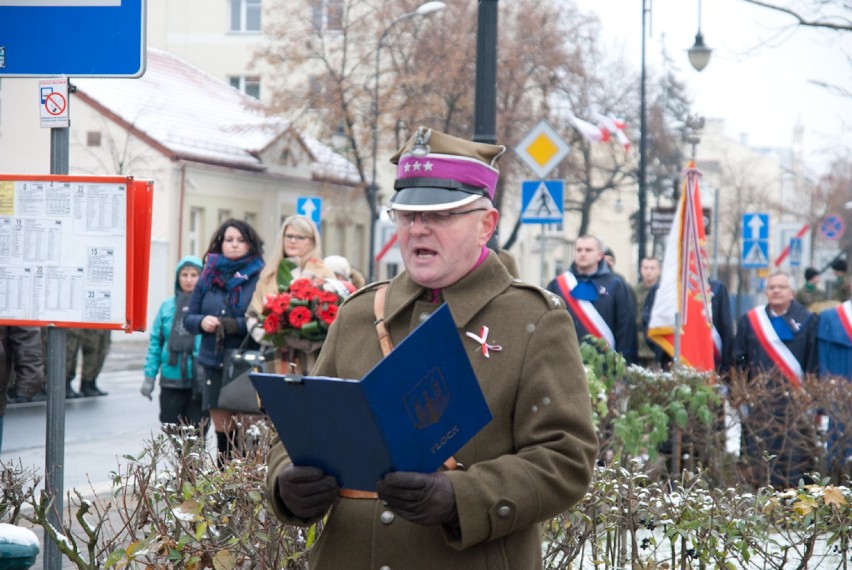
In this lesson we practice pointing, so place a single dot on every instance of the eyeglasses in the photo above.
(294, 237)
(405, 219)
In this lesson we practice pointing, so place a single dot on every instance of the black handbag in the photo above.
(238, 393)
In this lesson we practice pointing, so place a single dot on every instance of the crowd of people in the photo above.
(794, 334)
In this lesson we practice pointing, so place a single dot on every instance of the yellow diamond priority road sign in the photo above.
(542, 149)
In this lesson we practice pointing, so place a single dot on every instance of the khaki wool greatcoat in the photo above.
(531, 462)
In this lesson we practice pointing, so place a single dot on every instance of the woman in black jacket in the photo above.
(217, 310)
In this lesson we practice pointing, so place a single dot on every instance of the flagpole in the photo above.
(677, 335)
(715, 273)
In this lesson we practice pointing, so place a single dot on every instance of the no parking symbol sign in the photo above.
(832, 227)
(53, 103)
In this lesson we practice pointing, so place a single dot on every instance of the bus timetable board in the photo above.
(74, 250)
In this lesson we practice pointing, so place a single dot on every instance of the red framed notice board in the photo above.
(74, 251)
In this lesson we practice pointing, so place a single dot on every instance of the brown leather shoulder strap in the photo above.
(379, 310)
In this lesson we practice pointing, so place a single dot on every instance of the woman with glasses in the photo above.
(297, 253)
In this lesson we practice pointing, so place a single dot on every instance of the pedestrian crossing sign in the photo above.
(755, 254)
(542, 201)
(795, 252)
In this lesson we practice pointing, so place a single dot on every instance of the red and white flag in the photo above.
(590, 132)
(684, 284)
(613, 126)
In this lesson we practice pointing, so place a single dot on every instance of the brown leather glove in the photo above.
(307, 491)
(230, 325)
(422, 498)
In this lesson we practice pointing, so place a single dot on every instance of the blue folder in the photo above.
(411, 412)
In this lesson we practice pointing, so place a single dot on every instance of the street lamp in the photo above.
(373, 188)
(699, 54)
(643, 146)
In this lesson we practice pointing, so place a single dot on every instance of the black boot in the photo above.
(88, 389)
(69, 391)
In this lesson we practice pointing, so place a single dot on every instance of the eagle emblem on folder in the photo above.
(427, 401)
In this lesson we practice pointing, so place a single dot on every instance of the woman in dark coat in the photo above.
(217, 311)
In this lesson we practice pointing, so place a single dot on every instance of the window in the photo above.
(251, 219)
(393, 270)
(341, 240)
(93, 138)
(224, 215)
(250, 85)
(359, 241)
(327, 15)
(317, 92)
(196, 221)
(245, 15)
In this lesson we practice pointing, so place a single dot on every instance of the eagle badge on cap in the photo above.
(421, 140)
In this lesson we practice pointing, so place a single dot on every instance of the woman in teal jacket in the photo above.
(172, 351)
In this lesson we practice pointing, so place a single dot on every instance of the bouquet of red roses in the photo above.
(304, 310)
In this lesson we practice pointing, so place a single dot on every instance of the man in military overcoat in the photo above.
(533, 461)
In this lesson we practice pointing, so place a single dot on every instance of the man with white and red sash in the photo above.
(779, 339)
(834, 340)
(600, 303)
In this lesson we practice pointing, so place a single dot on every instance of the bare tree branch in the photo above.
(823, 22)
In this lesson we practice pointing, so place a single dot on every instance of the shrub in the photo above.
(669, 488)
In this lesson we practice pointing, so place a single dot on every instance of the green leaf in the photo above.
(114, 557)
(311, 536)
(285, 274)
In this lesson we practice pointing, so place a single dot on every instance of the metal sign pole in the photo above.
(54, 480)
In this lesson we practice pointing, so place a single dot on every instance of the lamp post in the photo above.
(699, 57)
(643, 146)
(373, 188)
(485, 92)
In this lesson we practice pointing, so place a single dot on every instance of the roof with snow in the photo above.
(193, 115)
